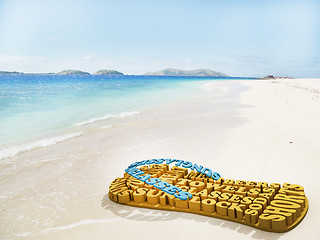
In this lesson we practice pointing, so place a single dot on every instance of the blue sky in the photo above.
(238, 37)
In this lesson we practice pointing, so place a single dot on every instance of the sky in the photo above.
(245, 38)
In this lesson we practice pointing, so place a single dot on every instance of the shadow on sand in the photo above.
(144, 214)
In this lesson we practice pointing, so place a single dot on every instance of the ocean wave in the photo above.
(10, 152)
(106, 117)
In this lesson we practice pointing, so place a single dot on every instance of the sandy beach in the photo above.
(264, 130)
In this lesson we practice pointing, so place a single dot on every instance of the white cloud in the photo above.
(20, 62)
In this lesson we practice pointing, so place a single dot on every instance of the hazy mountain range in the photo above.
(164, 72)
(67, 72)
(196, 73)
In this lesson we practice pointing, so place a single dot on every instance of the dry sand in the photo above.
(265, 130)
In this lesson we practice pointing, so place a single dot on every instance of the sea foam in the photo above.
(12, 151)
(106, 117)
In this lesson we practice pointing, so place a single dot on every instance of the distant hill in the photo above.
(72, 72)
(108, 72)
(193, 73)
(7, 73)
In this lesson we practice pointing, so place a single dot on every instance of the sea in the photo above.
(43, 110)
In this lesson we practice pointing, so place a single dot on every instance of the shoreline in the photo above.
(118, 98)
(242, 129)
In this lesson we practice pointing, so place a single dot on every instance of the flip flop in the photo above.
(268, 207)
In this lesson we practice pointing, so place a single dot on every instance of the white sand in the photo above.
(241, 129)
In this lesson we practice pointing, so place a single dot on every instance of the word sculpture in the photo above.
(270, 207)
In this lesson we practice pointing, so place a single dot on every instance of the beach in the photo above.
(261, 130)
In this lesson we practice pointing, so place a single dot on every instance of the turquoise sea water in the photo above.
(32, 106)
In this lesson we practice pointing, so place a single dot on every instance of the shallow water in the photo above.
(34, 109)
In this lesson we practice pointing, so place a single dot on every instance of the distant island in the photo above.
(100, 72)
(66, 72)
(72, 72)
(108, 72)
(165, 72)
(193, 73)
(10, 73)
